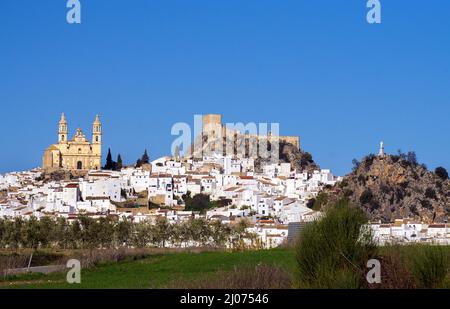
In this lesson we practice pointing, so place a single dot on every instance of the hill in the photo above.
(391, 187)
(288, 153)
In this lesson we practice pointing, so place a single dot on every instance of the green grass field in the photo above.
(156, 271)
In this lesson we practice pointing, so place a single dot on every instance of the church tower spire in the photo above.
(97, 141)
(62, 130)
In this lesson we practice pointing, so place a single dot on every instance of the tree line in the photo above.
(108, 232)
(118, 164)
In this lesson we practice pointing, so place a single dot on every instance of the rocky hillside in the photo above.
(391, 187)
(288, 153)
(59, 175)
(299, 159)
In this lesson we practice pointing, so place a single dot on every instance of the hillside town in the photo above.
(274, 200)
(269, 200)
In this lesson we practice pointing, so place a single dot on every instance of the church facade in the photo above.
(77, 153)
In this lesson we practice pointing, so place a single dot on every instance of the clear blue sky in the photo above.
(316, 67)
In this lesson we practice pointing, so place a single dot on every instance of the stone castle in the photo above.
(77, 153)
(212, 127)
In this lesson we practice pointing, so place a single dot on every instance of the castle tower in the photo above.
(62, 130)
(212, 125)
(97, 137)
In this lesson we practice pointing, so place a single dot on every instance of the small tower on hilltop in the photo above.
(62, 130)
(381, 151)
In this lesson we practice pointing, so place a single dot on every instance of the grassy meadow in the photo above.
(158, 270)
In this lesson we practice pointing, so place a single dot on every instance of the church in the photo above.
(77, 153)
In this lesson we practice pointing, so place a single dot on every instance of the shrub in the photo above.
(310, 203)
(321, 200)
(366, 197)
(441, 173)
(395, 273)
(332, 252)
(430, 193)
(430, 265)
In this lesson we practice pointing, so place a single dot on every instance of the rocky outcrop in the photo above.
(391, 187)
(288, 153)
(60, 175)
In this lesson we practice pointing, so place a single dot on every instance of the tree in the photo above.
(143, 234)
(441, 173)
(356, 164)
(411, 157)
(109, 162)
(332, 252)
(119, 163)
(200, 202)
(321, 200)
(366, 197)
(143, 160)
(161, 232)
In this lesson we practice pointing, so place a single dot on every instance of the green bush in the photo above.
(332, 251)
(430, 265)
(321, 200)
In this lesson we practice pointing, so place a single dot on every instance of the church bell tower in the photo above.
(97, 140)
(62, 130)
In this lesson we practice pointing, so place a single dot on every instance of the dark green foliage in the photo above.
(366, 197)
(362, 180)
(310, 203)
(144, 159)
(355, 164)
(430, 265)
(441, 173)
(105, 232)
(426, 204)
(411, 157)
(222, 202)
(306, 158)
(321, 200)
(343, 183)
(200, 202)
(430, 193)
(385, 189)
(109, 162)
(332, 252)
(119, 163)
(374, 205)
(348, 193)
(413, 210)
(368, 161)
(407, 159)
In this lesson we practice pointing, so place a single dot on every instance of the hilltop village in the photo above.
(274, 201)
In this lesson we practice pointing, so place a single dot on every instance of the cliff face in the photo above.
(299, 159)
(289, 153)
(392, 187)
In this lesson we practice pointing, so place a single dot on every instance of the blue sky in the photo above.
(316, 67)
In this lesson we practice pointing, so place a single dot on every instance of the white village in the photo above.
(273, 201)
